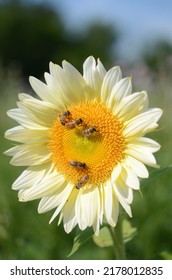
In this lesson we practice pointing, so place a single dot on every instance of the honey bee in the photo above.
(78, 164)
(65, 117)
(89, 131)
(73, 124)
(83, 180)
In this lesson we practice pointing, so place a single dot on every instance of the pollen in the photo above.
(97, 142)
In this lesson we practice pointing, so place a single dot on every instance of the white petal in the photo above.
(92, 211)
(142, 123)
(57, 211)
(93, 74)
(32, 176)
(119, 91)
(82, 203)
(29, 154)
(38, 113)
(109, 81)
(101, 69)
(24, 135)
(26, 98)
(116, 172)
(142, 154)
(125, 191)
(47, 203)
(12, 151)
(52, 183)
(60, 196)
(59, 79)
(115, 211)
(43, 91)
(69, 215)
(98, 216)
(61, 85)
(44, 114)
(129, 177)
(108, 202)
(124, 194)
(101, 210)
(55, 89)
(76, 82)
(138, 167)
(28, 113)
(22, 119)
(131, 105)
(111, 205)
(145, 142)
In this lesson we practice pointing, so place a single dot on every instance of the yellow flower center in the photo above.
(89, 148)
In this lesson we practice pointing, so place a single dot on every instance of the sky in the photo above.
(139, 22)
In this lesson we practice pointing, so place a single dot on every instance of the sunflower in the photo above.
(83, 143)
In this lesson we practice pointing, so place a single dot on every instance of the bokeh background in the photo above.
(137, 35)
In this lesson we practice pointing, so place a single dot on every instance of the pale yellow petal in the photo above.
(52, 183)
(45, 114)
(129, 177)
(32, 176)
(23, 119)
(101, 69)
(142, 123)
(119, 91)
(116, 172)
(61, 85)
(108, 202)
(93, 74)
(143, 155)
(130, 106)
(55, 199)
(144, 142)
(77, 84)
(125, 205)
(136, 166)
(43, 91)
(27, 136)
(29, 154)
(68, 212)
(109, 81)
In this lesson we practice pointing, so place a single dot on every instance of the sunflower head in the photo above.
(83, 142)
(94, 145)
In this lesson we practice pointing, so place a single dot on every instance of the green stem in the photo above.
(117, 237)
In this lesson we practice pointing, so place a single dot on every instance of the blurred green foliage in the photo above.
(30, 36)
(158, 57)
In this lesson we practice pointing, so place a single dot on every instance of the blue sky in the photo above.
(140, 22)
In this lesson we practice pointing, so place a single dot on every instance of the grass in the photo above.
(26, 235)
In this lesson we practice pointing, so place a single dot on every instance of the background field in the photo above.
(24, 234)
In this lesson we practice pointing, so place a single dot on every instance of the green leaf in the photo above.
(129, 231)
(166, 255)
(80, 238)
(154, 175)
(104, 238)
